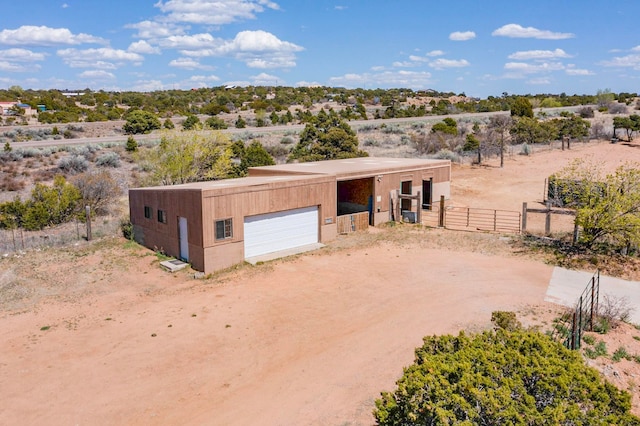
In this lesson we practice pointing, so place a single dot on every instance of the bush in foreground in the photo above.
(501, 378)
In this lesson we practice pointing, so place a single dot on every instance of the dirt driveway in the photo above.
(98, 334)
(311, 340)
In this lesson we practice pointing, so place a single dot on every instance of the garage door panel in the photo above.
(278, 231)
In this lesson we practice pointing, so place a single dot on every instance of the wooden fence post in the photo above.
(547, 222)
(524, 217)
(87, 212)
(441, 212)
(419, 208)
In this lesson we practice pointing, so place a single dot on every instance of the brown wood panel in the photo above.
(353, 222)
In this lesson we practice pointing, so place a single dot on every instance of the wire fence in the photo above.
(15, 240)
(570, 326)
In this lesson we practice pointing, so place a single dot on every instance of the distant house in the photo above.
(276, 209)
(5, 108)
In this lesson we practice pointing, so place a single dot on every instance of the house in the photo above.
(6, 107)
(216, 224)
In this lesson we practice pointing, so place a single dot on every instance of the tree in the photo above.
(521, 107)
(168, 124)
(630, 124)
(240, 123)
(192, 122)
(472, 143)
(188, 156)
(607, 206)
(255, 156)
(51, 205)
(98, 190)
(216, 123)
(131, 145)
(530, 131)
(500, 125)
(139, 121)
(327, 137)
(501, 378)
(448, 126)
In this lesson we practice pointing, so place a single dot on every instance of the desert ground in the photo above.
(97, 333)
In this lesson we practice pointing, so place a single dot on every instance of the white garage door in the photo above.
(271, 232)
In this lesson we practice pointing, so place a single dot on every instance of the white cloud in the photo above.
(526, 68)
(97, 75)
(462, 35)
(143, 47)
(539, 81)
(257, 49)
(307, 84)
(64, 5)
(188, 64)
(405, 64)
(518, 31)
(103, 58)
(449, 63)
(415, 58)
(152, 30)
(21, 55)
(264, 79)
(146, 86)
(187, 42)
(13, 67)
(30, 35)
(539, 54)
(434, 53)
(578, 72)
(384, 79)
(340, 7)
(636, 49)
(212, 12)
(632, 61)
(204, 78)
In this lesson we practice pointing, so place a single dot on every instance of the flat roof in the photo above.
(354, 166)
(243, 184)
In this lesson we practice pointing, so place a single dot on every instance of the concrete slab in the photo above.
(173, 265)
(566, 286)
(284, 253)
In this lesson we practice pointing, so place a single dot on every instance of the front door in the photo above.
(184, 241)
(427, 187)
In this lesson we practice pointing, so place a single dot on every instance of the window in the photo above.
(162, 216)
(405, 187)
(147, 212)
(224, 229)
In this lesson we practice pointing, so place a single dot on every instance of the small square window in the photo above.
(224, 229)
(147, 212)
(162, 216)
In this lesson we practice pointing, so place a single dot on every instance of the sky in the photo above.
(477, 47)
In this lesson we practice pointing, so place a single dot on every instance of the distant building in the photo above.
(5, 108)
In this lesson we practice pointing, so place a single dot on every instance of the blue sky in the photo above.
(477, 47)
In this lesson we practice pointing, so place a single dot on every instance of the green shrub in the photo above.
(505, 320)
(501, 378)
(108, 159)
(131, 145)
(73, 164)
(588, 339)
(620, 353)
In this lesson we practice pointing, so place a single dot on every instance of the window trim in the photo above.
(148, 212)
(227, 232)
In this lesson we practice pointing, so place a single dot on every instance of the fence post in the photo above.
(576, 232)
(495, 219)
(524, 217)
(441, 212)
(593, 301)
(547, 222)
(573, 331)
(419, 209)
(87, 212)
